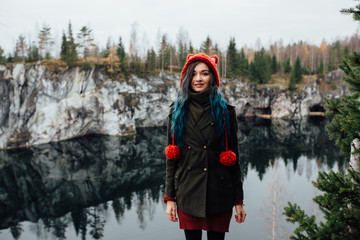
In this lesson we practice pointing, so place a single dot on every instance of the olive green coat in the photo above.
(200, 184)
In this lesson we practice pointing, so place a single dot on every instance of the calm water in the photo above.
(102, 187)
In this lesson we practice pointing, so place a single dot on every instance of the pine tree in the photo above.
(340, 201)
(260, 68)
(71, 56)
(274, 65)
(2, 57)
(296, 74)
(287, 66)
(64, 52)
(120, 52)
(346, 50)
(33, 53)
(191, 49)
(182, 53)
(243, 64)
(232, 59)
(151, 61)
(206, 46)
(340, 190)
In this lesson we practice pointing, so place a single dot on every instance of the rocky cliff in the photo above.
(40, 106)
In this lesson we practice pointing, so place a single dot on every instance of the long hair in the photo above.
(219, 109)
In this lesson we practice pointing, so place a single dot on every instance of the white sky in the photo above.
(246, 20)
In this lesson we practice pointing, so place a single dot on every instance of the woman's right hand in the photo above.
(171, 211)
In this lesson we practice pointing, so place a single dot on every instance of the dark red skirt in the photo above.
(218, 223)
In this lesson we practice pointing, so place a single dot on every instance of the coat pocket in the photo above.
(224, 179)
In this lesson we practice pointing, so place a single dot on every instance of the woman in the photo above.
(203, 177)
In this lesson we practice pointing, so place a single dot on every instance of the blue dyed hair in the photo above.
(219, 109)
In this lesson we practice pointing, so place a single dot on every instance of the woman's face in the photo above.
(201, 77)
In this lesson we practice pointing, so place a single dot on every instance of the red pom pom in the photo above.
(227, 158)
(172, 152)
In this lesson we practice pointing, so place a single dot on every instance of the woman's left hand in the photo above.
(240, 213)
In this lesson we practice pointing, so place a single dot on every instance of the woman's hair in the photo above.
(181, 105)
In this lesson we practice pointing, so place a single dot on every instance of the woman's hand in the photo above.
(171, 211)
(240, 213)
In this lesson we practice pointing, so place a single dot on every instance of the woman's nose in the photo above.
(197, 77)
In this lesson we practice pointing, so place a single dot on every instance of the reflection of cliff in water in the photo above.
(50, 180)
(79, 181)
(262, 141)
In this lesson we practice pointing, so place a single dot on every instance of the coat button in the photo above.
(212, 124)
(204, 147)
(205, 169)
(176, 177)
(189, 168)
(189, 147)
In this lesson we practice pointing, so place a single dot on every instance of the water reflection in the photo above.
(46, 182)
(79, 183)
(263, 141)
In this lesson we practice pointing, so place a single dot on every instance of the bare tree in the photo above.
(134, 49)
(21, 48)
(45, 41)
(85, 41)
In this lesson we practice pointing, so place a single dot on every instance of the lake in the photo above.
(105, 187)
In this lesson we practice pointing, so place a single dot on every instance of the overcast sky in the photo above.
(246, 20)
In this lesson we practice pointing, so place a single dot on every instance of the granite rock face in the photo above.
(38, 106)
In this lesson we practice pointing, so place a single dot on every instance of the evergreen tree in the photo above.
(105, 53)
(10, 58)
(243, 64)
(339, 191)
(260, 68)
(182, 53)
(164, 53)
(191, 49)
(120, 52)
(320, 69)
(33, 53)
(296, 74)
(72, 47)
(151, 61)
(346, 50)
(274, 65)
(232, 59)
(64, 52)
(206, 46)
(287, 66)
(2, 57)
(340, 201)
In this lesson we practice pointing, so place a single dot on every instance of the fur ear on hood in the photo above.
(215, 58)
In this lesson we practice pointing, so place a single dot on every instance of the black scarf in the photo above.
(199, 103)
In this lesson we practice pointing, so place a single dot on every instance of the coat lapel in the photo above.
(203, 122)
(193, 127)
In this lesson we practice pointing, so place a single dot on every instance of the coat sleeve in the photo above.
(235, 169)
(171, 167)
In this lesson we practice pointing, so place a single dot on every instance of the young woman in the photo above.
(203, 177)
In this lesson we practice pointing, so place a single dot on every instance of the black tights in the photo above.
(211, 235)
